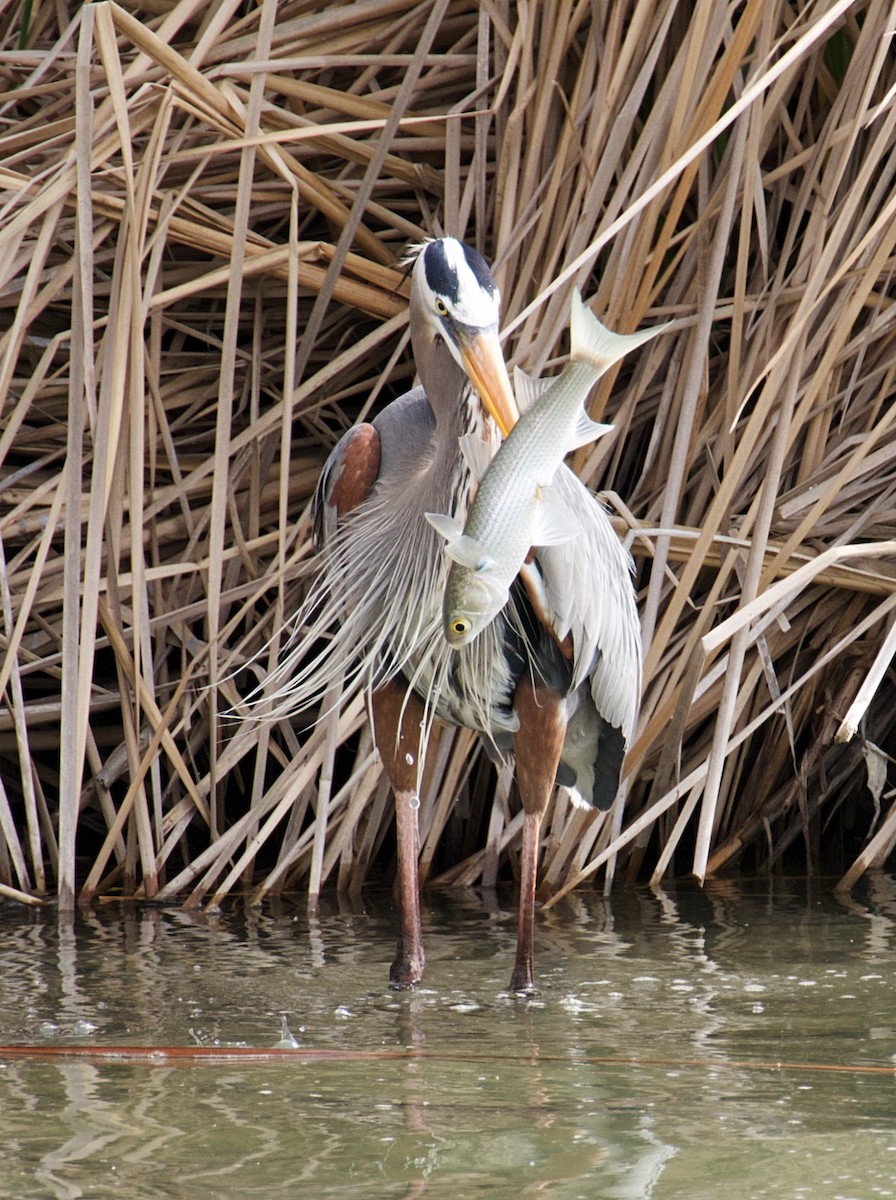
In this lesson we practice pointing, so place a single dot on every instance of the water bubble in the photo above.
(409, 759)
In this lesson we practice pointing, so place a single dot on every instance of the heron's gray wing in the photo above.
(588, 597)
(346, 479)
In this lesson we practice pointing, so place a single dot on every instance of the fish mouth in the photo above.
(484, 364)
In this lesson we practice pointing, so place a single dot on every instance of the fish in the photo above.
(514, 508)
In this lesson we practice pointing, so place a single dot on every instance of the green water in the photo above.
(644, 1067)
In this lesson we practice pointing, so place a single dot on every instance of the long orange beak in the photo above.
(485, 366)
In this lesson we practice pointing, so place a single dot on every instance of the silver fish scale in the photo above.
(502, 518)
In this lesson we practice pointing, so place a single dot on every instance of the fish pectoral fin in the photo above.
(527, 388)
(554, 522)
(477, 454)
(459, 547)
(467, 552)
(587, 431)
(449, 527)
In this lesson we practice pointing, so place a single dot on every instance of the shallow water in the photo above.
(736, 1042)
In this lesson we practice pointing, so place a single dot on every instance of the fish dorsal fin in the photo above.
(587, 431)
(593, 343)
(554, 520)
(477, 454)
(527, 388)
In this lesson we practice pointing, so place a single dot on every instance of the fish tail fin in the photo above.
(593, 343)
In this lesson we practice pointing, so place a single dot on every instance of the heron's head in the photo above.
(456, 302)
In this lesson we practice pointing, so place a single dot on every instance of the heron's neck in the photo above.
(450, 468)
(457, 411)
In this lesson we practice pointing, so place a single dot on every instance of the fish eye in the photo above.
(459, 626)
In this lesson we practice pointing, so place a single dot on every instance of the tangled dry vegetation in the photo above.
(203, 208)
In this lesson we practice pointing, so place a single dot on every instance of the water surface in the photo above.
(736, 1042)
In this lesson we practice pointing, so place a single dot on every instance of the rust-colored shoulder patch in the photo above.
(357, 468)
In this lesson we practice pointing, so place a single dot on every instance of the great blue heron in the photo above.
(554, 679)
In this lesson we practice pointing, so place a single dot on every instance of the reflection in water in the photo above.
(643, 1067)
(96, 1130)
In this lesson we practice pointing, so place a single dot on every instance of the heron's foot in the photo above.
(406, 970)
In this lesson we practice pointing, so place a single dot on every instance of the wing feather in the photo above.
(590, 599)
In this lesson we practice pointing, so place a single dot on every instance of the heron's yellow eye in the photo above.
(459, 626)
(441, 307)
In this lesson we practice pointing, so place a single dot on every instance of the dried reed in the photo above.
(201, 215)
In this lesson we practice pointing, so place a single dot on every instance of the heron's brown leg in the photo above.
(396, 720)
(538, 743)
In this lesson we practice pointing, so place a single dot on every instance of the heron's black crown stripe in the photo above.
(442, 276)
